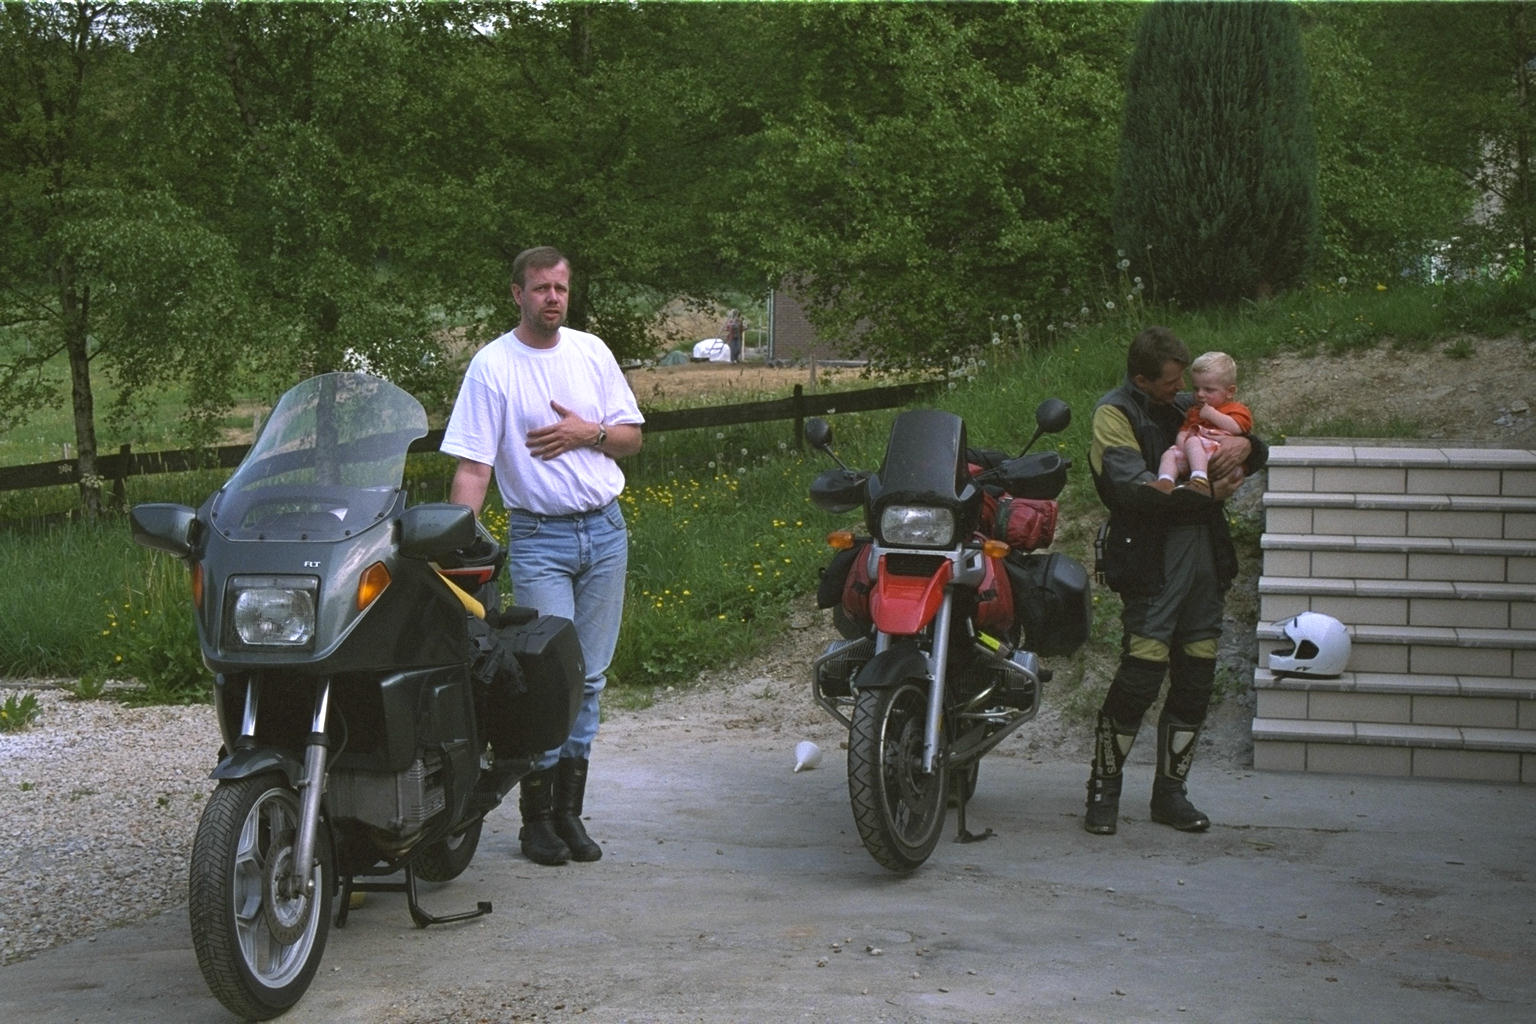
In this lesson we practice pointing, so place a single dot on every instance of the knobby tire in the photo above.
(899, 810)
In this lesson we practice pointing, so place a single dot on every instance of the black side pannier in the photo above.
(1052, 601)
(530, 676)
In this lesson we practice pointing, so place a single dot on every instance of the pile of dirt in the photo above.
(1472, 390)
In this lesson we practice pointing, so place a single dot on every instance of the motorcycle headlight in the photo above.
(272, 611)
(918, 526)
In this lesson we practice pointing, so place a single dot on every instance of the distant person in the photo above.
(1214, 415)
(732, 332)
(549, 410)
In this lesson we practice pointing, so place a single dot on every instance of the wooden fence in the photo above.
(118, 467)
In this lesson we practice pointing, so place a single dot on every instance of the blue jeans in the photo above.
(573, 566)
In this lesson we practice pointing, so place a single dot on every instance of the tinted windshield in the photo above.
(328, 463)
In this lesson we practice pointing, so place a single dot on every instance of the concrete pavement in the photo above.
(735, 890)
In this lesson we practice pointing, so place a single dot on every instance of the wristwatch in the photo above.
(602, 436)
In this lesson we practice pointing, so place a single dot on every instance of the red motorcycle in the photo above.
(945, 609)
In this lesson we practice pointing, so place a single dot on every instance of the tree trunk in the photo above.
(75, 302)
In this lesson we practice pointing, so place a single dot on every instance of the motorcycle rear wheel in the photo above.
(446, 859)
(257, 950)
(898, 808)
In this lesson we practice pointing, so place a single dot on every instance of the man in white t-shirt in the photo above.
(547, 409)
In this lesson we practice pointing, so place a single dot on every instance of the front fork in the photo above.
(938, 659)
(300, 881)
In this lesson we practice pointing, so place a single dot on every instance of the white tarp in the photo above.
(712, 350)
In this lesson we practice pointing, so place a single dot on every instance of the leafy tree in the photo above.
(1460, 78)
(1217, 177)
(282, 123)
(1384, 200)
(932, 166)
(101, 263)
(621, 134)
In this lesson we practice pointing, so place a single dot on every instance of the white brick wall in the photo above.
(1429, 556)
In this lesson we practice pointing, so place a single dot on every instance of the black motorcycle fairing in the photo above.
(416, 621)
(925, 465)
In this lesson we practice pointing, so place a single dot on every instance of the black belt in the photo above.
(561, 516)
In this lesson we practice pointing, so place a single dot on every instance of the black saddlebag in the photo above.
(1052, 601)
(530, 677)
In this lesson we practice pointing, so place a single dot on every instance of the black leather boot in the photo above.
(1175, 755)
(570, 789)
(536, 801)
(1111, 745)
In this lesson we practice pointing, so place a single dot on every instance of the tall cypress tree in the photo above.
(1216, 189)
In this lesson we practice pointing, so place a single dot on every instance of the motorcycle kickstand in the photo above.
(418, 916)
(962, 835)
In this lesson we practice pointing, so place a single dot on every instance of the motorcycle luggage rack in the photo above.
(419, 917)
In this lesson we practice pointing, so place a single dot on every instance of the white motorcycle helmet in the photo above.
(1319, 646)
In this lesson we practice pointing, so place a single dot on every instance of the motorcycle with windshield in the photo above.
(945, 609)
(375, 701)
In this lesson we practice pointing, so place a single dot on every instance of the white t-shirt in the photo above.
(506, 393)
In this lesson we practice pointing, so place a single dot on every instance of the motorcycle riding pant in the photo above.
(1175, 629)
(574, 566)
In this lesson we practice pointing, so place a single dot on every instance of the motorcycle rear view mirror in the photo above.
(818, 433)
(432, 530)
(162, 526)
(1052, 416)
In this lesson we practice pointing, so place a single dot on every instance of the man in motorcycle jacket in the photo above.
(1170, 557)
(549, 410)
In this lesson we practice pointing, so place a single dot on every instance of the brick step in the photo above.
(1421, 558)
(1396, 602)
(1432, 650)
(1401, 515)
(1375, 469)
(1369, 748)
(1488, 702)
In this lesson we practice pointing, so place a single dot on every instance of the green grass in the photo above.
(17, 711)
(723, 536)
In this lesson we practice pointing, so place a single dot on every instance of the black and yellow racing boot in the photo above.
(1175, 755)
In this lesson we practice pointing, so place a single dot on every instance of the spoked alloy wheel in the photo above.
(257, 948)
(898, 808)
(446, 859)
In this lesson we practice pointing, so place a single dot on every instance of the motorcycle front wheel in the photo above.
(446, 859)
(257, 948)
(898, 808)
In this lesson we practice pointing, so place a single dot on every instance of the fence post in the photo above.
(119, 482)
(799, 428)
